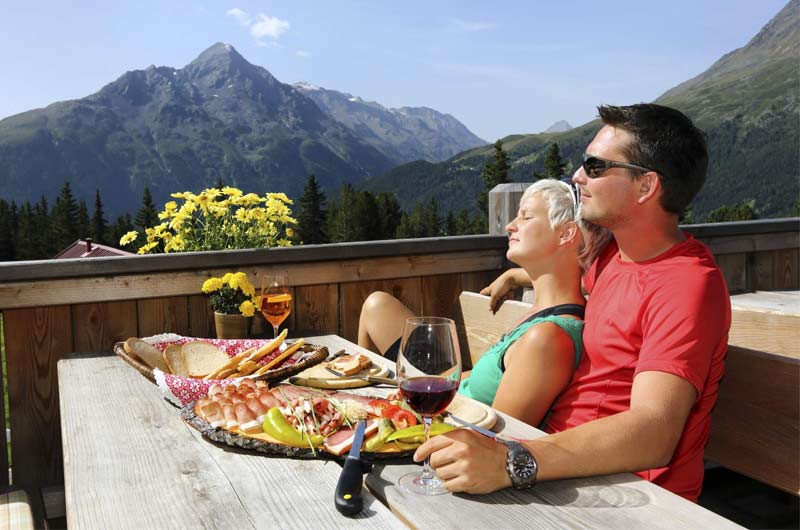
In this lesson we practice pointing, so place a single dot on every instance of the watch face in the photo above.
(524, 468)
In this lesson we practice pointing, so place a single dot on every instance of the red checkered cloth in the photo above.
(183, 390)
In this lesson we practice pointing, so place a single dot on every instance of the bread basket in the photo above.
(314, 355)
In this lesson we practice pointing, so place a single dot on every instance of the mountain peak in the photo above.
(559, 126)
(218, 53)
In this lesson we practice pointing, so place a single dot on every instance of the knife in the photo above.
(367, 377)
(465, 423)
(348, 490)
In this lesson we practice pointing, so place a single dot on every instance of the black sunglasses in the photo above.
(594, 167)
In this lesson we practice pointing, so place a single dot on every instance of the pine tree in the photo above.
(431, 222)
(83, 225)
(311, 214)
(6, 232)
(122, 226)
(44, 245)
(64, 220)
(553, 164)
(744, 211)
(494, 172)
(99, 229)
(147, 216)
(389, 214)
(29, 244)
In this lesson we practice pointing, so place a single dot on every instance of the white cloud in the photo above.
(267, 26)
(465, 25)
(241, 16)
(302, 53)
(262, 27)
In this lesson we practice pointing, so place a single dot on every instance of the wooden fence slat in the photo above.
(734, 269)
(35, 339)
(317, 308)
(352, 296)
(440, 295)
(201, 317)
(163, 315)
(98, 326)
(786, 269)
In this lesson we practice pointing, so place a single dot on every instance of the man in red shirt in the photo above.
(656, 331)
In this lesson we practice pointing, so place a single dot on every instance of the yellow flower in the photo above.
(202, 201)
(242, 215)
(289, 232)
(232, 192)
(147, 248)
(217, 209)
(258, 213)
(227, 277)
(128, 237)
(280, 197)
(170, 206)
(212, 193)
(247, 308)
(211, 285)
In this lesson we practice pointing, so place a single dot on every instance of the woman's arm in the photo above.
(538, 366)
(499, 289)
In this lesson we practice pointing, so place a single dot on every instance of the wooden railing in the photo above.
(50, 308)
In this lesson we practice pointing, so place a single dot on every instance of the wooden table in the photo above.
(131, 462)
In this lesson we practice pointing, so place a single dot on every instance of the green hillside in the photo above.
(746, 102)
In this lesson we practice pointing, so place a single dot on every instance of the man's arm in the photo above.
(643, 437)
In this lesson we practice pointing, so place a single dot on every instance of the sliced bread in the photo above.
(202, 358)
(146, 352)
(173, 356)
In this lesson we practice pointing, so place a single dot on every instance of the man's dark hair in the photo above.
(667, 142)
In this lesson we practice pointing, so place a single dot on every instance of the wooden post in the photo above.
(503, 205)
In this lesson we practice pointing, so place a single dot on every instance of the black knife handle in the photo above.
(348, 490)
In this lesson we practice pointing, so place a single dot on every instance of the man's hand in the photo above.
(467, 461)
(501, 288)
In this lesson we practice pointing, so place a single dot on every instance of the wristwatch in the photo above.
(521, 465)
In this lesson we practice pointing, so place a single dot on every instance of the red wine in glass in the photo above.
(428, 395)
(428, 372)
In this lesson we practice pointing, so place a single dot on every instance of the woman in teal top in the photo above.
(531, 365)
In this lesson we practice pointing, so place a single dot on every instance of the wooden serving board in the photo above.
(319, 377)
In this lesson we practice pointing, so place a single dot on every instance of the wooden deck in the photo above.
(52, 308)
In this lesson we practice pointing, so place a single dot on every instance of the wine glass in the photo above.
(276, 300)
(428, 372)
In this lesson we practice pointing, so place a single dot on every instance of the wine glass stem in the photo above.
(275, 330)
(427, 473)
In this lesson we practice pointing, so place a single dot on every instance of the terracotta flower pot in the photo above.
(232, 326)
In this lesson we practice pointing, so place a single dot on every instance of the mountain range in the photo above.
(747, 103)
(218, 118)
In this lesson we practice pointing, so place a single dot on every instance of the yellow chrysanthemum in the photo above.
(289, 232)
(242, 215)
(227, 277)
(212, 193)
(211, 285)
(129, 237)
(232, 192)
(247, 308)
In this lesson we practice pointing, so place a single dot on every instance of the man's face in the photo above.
(607, 200)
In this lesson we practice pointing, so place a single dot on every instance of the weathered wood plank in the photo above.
(201, 318)
(149, 459)
(766, 321)
(754, 428)
(131, 287)
(407, 290)
(440, 295)
(734, 269)
(736, 244)
(4, 478)
(35, 339)
(621, 501)
(163, 315)
(98, 326)
(481, 328)
(318, 308)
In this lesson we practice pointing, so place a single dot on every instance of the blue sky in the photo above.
(507, 68)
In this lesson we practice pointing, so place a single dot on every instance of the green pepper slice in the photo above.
(276, 426)
(416, 433)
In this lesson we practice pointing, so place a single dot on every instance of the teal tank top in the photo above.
(485, 377)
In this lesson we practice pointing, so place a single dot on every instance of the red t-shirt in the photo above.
(669, 314)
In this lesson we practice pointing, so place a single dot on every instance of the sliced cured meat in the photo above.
(214, 390)
(211, 411)
(293, 392)
(257, 407)
(247, 420)
(342, 440)
(229, 414)
(269, 401)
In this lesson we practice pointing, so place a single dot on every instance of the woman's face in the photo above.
(530, 237)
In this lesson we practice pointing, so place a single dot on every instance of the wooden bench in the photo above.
(754, 427)
(16, 511)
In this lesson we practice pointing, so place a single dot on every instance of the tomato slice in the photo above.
(402, 419)
(382, 408)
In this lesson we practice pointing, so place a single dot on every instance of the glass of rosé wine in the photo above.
(276, 300)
